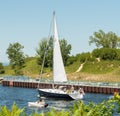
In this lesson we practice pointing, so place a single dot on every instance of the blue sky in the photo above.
(28, 21)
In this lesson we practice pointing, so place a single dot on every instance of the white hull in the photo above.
(36, 104)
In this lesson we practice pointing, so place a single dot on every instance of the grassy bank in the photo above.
(103, 71)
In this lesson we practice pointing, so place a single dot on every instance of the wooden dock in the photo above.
(87, 88)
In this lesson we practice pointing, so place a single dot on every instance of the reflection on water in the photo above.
(21, 96)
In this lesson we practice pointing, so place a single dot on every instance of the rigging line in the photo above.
(41, 72)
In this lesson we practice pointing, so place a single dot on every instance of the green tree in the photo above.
(46, 48)
(83, 57)
(42, 51)
(105, 40)
(1, 69)
(97, 53)
(118, 54)
(106, 53)
(65, 50)
(16, 57)
(71, 60)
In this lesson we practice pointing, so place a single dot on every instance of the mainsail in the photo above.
(59, 74)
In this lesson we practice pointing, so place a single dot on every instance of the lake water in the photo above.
(21, 96)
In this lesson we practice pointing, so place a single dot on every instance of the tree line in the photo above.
(107, 48)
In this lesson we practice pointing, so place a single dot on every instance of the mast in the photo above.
(59, 74)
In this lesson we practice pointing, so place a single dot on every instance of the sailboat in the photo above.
(59, 74)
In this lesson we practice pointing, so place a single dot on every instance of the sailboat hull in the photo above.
(52, 93)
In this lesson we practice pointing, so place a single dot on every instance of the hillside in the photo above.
(107, 71)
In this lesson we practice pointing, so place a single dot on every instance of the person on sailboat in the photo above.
(81, 91)
(72, 89)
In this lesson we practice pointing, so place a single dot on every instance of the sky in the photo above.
(28, 21)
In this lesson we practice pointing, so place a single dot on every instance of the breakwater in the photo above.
(105, 88)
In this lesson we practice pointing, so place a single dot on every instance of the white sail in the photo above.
(59, 74)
